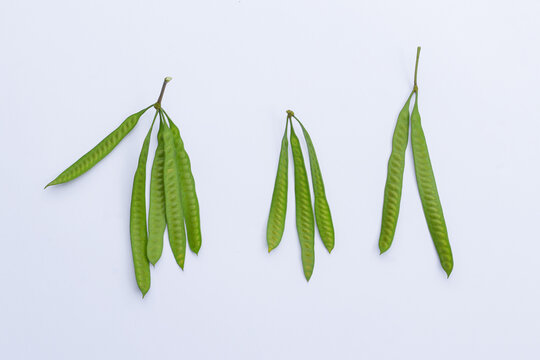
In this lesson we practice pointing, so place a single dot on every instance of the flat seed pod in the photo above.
(394, 179)
(322, 209)
(156, 212)
(173, 204)
(304, 212)
(278, 208)
(190, 202)
(137, 222)
(91, 158)
(428, 192)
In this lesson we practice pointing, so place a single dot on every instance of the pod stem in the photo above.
(158, 103)
(290, 115)
(416, 69)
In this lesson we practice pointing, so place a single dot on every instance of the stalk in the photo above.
(416, 69)
(158, 103)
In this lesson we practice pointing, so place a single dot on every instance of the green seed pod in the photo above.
(394, 179)
(138, 219)
(304, 212)
(190, 202)
(428, 192)
(91, 158)
(322, 209)
(156, 212)
(173, 204)
(278, 208)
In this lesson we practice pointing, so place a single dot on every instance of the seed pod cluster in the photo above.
(173, 200)
(174, 204)
(305, 221)
(425, 179)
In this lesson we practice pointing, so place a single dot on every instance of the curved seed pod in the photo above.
(394, 179)
(322, 210)
(190, 203)
(304, 212)
(278, 208)
(173, 204)
(156, 212)
(137, 219)
(428, 192)
(91, 158)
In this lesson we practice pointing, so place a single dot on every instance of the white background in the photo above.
(71, 71)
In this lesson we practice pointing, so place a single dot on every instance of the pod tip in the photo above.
(50, 184)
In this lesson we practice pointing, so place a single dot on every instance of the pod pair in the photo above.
(304, 210)
(425, 179)
(173, 198)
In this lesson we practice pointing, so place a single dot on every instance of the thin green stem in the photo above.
(301, 125)
(290, 115)
(287, 124)
(155, 116)
(289, 119)
(416, 68)
(162, 117)
(167, 115)
(412, 93)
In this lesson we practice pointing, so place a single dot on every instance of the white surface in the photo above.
(71, 71)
